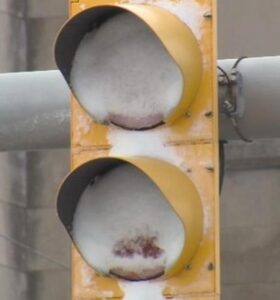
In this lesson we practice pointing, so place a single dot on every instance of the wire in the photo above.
(229, 90)
(34, 251)
(238, 61)
(238, 131)
(225, 74)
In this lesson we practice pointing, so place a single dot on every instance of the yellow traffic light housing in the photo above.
(177, 152)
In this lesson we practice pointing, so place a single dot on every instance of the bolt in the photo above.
(188, 114)
(208, 114)
(188, 267)
(209, 168)
(208, 14)
(210, 266)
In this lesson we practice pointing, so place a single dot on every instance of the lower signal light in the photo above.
(128, 219)
(124, 226)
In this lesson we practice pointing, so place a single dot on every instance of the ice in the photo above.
(124, 225)
(121, 72)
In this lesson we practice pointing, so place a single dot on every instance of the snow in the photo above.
(121, 72)
(151, 143)
(199, 126)
(87, 275)
(188, 11)
(83, 126)
(144, 290)
(128, 228)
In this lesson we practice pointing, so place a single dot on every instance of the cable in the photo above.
(34, 251)
(238, 61)
(229, 83)
(225, 74)
(238, 131)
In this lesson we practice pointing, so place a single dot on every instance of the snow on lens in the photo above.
(124, 226)
(122, 73)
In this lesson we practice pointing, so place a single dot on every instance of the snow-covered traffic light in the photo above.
(129, 219)
(142, 64)
(141, 202)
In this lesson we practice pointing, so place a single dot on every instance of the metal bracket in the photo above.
(233, 105)
(232, 93)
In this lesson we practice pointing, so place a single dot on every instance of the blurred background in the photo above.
(34, 249)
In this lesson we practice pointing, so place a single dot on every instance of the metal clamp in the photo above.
(233, 104)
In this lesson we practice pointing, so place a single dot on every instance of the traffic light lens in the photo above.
(122, 73)
(129, 229)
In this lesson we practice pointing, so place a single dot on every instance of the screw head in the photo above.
(188, 114)
(210, 168)
(210, 266)
(208, 114)
(207, 14)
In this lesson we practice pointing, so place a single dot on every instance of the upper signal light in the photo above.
(136, 66)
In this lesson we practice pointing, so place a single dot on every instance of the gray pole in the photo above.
(34, 111)
(259, 99)
(34, 106)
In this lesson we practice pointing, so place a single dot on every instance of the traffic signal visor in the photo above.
(135, 218)
(136, 66)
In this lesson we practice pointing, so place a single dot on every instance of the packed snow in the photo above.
(188, 11)
(144, 290)
(149, 143)
(122, 73)
(124, 226)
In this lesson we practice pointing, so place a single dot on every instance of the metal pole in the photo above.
(34, 111)
(259, 96)
(34, 106)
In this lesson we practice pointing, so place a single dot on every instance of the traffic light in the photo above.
(141, 202)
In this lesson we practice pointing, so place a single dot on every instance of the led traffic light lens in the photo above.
(124, 226)
(122, 73)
